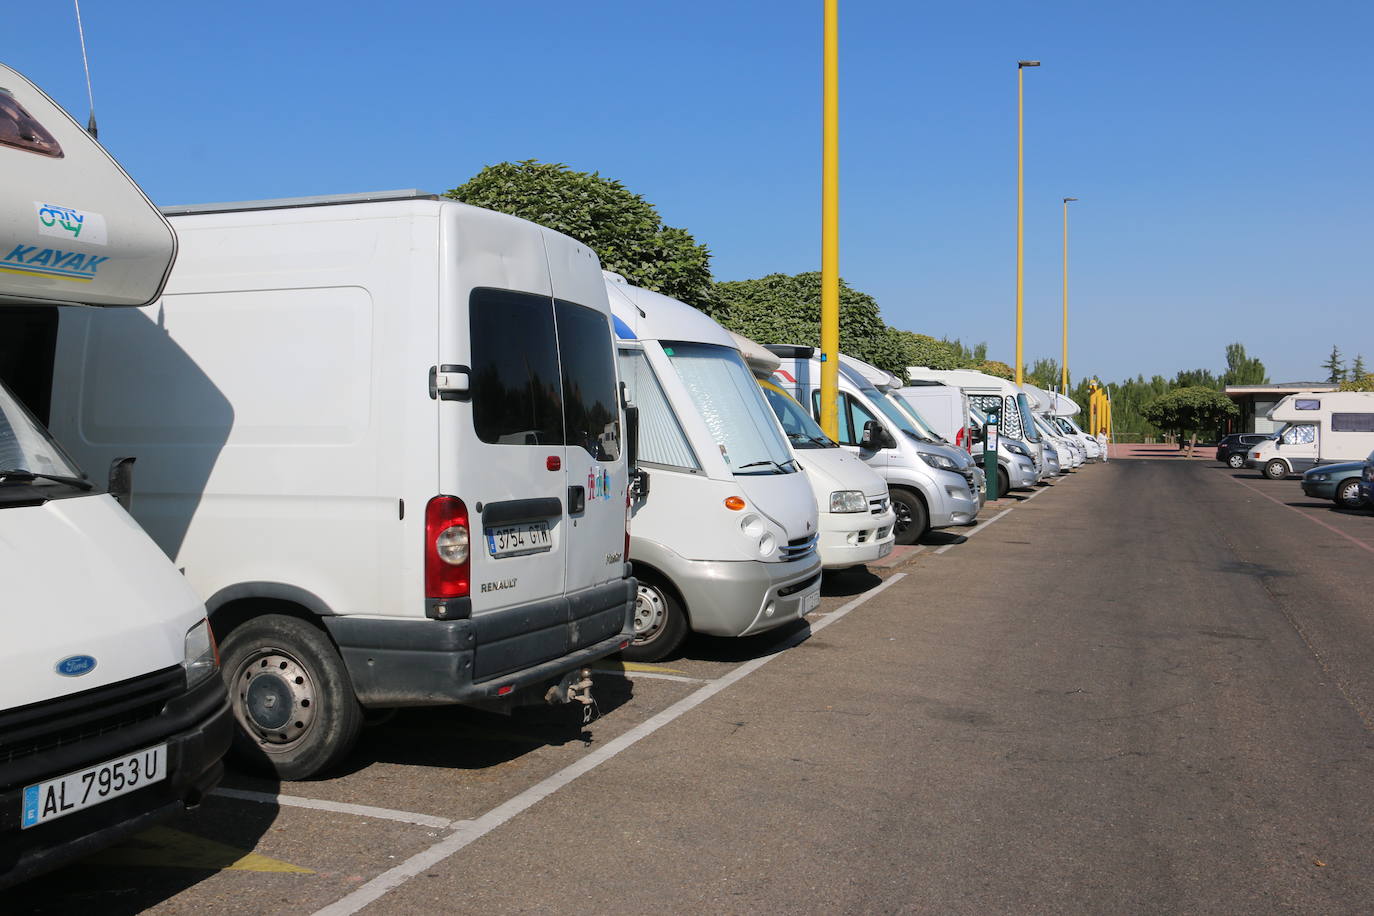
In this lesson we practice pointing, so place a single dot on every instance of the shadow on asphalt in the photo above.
(846, 583)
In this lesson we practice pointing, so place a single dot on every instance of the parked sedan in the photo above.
(1367, 481)
(1339, 483)
(1231, 449)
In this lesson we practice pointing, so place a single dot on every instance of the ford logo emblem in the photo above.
(75, 665)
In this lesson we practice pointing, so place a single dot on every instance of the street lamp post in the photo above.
(1064, 360)
(1021, 66)
(830, 223)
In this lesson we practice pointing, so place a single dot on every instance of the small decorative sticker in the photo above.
(70, 223)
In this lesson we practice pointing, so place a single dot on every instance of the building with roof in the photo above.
(1255, 402)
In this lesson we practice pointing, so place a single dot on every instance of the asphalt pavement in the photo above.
(1149, 688)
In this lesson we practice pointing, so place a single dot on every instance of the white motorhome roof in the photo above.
(74, 227)
(761, 362)
(1321, 404)
(642, 314)
(879, 378)
(1050, 402)
(964, 378)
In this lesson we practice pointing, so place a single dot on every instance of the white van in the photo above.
(1016, 468)
(1318, 429)
(723, 537)
(989, 393)
(382, 436)
(112, 712)
(927, 488)
(1071, 452)
(857, 523)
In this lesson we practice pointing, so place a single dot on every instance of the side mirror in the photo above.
(875, 436)
(639, 478)
(121, 485)
(975, 434)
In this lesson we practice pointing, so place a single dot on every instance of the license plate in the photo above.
(812, 602)
(59, 797)
(513, 540)
(884, 550)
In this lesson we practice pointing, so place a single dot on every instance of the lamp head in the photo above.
(1067, 199)
(1027, 63)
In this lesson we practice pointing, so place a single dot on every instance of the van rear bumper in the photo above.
(423, 662)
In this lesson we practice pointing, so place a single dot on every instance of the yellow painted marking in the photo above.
(635, 666)
(163, 847)
(34, 273)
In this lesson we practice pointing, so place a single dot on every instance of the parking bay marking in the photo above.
(1356, 541)
(976, 528)
(296, 801)
(472, 831)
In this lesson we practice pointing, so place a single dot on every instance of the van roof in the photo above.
(642, 314)
(291, 203)
(758, 358)
(962, 378)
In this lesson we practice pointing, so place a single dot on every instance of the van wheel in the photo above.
(290, 692)
(1003, 483)
(1348, 495)
(1276, 470)
(1236, 461)
(912, 519)
(660, 624)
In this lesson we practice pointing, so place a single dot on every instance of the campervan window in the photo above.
(851, 419)
(1352, 422)
(21, 130)
(25, 445)
(516, 395)
(1027, 424)
(590, 416)
(1307, 404)
(661, 440)
(1298, 433)
(728, 398)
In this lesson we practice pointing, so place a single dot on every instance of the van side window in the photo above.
(21, 130)
(1352, 422)
(590, 414)
(1302, 433)
(517, 398)
(852, 417)
(661, 440)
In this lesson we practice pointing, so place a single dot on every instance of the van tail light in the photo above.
(960, 440)
(448, 548)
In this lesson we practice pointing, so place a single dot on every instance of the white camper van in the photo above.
(857, 522)
(723, 536)
(1016, 468)
(927, 487)
(990, 393)
(386, 449)
(1319, 428)
(112, 712)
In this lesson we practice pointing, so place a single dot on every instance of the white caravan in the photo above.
(1043, 406)
(1016, 468)
(990, 393)
(927, 488)
(1318, 429)
(945, 408)
(112, 712)
(382, 436)
(857, 523)
(723, 536)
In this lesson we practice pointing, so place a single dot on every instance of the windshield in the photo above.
(892, 412)
(1027, 423)
(1298, 433)
(1044, 427)
(26, 446)
(728, 398)
(923, 428)
(1065, 426)
(801, 430)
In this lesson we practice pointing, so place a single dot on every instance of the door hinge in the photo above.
(450, 382)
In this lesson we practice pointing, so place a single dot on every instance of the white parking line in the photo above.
(653, 675)
(1035, 494)
(469, 832)
(976, 528)
(295, 801)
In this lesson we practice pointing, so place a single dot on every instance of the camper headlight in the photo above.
(938, 461)
(1016, 448)
(751, 525)
(767, 545)
(848, 501)
(201, 657)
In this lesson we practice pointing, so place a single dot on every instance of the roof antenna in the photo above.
(90, 96)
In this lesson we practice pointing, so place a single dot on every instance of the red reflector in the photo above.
(502, 691)
(553, 463)
(625, 644)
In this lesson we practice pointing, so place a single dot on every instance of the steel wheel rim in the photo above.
(1350, 495)
(651, 612)
(903, 516)
(274, 698)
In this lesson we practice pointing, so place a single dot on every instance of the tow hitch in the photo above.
(576, 687)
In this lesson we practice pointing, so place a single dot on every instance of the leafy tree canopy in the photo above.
(924, 350)
(782, 308)
(1242, 369)
(1362, 382)
(1196, 378)
(1334, 366)
(1190, 410)
(622, 227)
(998, 368)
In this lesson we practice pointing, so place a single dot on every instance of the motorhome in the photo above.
(927, 487)
(856, 519)
(1016, 468)
(1318, 428)
(992, 394)
(723, 537)
(1044, 405)
(113, 715)
(382, 435)
(945, 408)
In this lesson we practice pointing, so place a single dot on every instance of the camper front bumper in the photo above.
(1021, 474)
(953, 503)
(740, 598)
(853, 538)
(491, 656)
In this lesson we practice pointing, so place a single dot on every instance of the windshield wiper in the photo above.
(23, 475)
(759, 464)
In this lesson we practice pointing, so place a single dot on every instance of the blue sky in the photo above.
(1222, 151)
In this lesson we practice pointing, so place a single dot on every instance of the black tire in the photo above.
(1348, 494)
(913, 521)
(660, 622)
(275, 661)
(1003, 483)
(1236, 460)
(1276, 470)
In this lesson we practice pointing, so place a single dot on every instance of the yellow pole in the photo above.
(1064, 360)
(1021, 66)
(830, 226)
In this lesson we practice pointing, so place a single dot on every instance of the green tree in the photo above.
(1334, 366)
(997, 368)
(1242, 369)
(924, 350)
(1044, 373)
(622, 227)
(1196, 378)
(1189, 411)
(1357, 369)
(786, 309)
